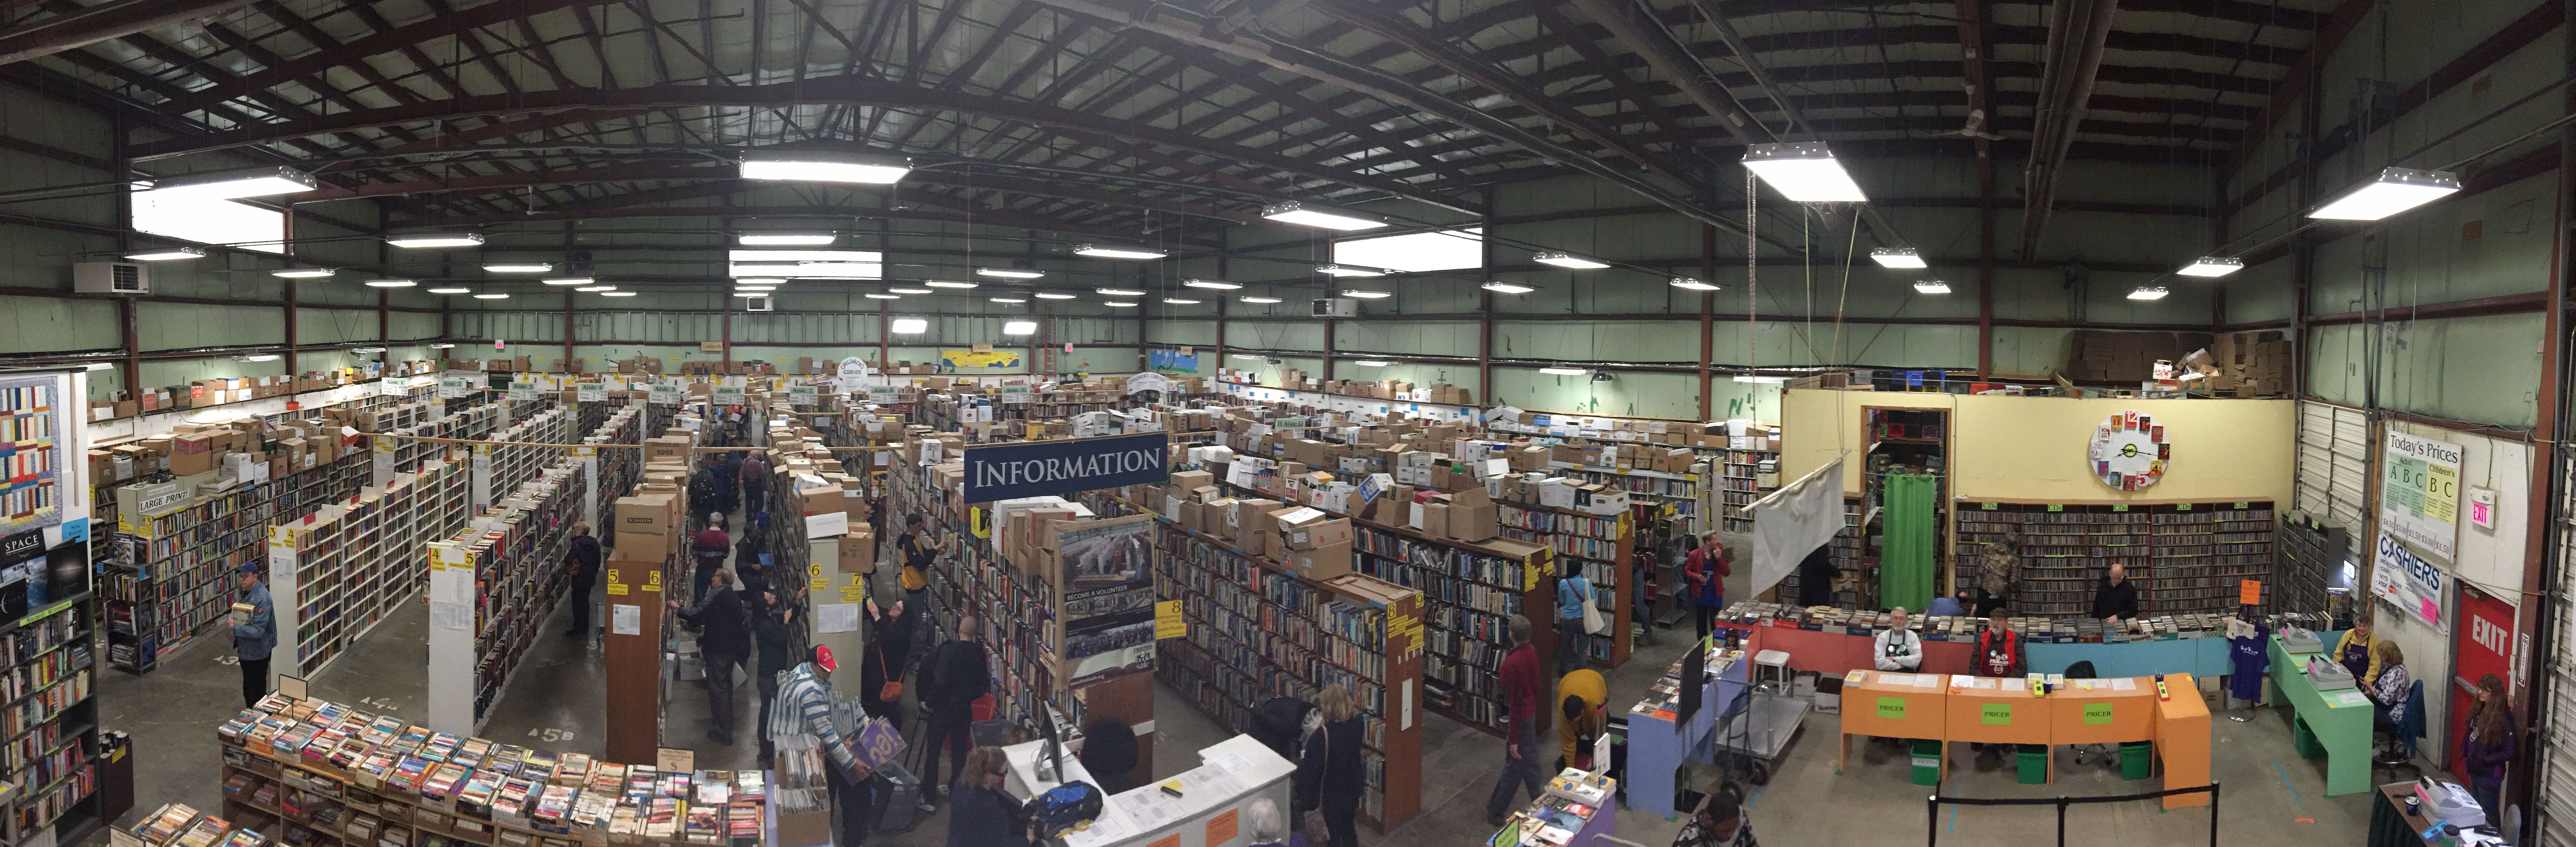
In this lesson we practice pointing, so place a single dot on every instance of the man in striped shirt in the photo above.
(804, 707)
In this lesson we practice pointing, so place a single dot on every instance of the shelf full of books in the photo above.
(50, 724)
(492, 586)
(311, 773)
(1742, 477)
(1603, 547)
(178, 541)
(1470, 592)
(2184, 557)
(1256, 632)
(336, 573)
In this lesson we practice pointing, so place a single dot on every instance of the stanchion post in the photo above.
(2213, 814)
(2062, 803)
(1931, 820)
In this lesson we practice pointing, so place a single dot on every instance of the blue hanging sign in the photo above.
(1038, 468)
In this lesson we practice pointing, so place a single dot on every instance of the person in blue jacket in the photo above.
(1573, 643)
(254, 634)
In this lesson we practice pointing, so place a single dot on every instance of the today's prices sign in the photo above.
(2419, 486)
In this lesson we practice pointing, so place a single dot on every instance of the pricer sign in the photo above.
(1038, 468)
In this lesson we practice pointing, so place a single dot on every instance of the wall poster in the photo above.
(2419, 492)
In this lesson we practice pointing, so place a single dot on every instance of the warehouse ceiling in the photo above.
(1115, 116)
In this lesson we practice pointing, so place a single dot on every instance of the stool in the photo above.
(1771, 666)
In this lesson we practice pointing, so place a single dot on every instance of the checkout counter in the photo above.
(1209, 813)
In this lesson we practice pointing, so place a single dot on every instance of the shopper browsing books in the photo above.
(806, 710)
(2116, 598)
(1267, 828)
(1520, 726)
(775, 634)
(1719, 823)
(1704, 573)
(1583, 702)
(254, 633)
(709, 548)
(1333, 756)
(1573, 595)
(1998, 570)
(724, 641)
(959, 673)
(583, 559)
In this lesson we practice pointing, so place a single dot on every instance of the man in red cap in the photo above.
(804, 708)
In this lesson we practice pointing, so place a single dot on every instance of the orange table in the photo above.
(2182, 738)
(2001, 711)
(1892, 706)
(2104, 714)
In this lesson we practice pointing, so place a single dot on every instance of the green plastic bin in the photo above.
(2137, 760)
(1927, 762)
(2034, 763)
(2305, 740)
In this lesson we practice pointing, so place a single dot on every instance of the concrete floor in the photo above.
(2270, 794)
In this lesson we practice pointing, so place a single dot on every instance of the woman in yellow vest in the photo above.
(1583, 698)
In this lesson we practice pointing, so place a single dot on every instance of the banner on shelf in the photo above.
(971, 359)
(1149, 382)
(2419, 486)
(1011, 471)
(2407, 581)
(1794, 521)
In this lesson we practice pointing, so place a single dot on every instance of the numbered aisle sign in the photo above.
(591, 392)
(667, 395)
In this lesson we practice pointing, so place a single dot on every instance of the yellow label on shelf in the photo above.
(1168, 622)
(653, 581)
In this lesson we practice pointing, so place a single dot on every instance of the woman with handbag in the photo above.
(1333, 755)
(881, 669)
(1574, 618)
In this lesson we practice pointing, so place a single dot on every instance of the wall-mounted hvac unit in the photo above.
(760, 304)
(1337, 307)
(111, 278)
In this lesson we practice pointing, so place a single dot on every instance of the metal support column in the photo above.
(568, 270)
(1707, 320)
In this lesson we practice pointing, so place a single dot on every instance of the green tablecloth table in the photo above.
(2340, 719)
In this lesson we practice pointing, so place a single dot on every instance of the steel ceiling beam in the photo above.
(837, 89)
(104, 22)
(1665, 54)
(356, 50)
(981, 218)
(2076, 32)
(1287, 55)
(490, 183)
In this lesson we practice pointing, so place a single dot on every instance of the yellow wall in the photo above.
(2033, 449)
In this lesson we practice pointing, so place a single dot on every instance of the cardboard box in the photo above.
(1472, 516)
(859, 551)
(648, 527)
(1324, 562)
(1431, 518)
(1310, 528)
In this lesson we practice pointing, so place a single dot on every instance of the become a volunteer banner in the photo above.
(1039, 468)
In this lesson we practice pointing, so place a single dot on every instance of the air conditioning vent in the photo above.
(1337, 307)
(760, 304)
(111, 278)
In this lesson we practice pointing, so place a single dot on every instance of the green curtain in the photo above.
(1905, 567)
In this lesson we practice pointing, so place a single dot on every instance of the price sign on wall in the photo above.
(2420, 492)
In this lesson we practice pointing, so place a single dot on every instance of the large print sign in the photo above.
(2419, 497)
(1037, 468)
(2407, 581)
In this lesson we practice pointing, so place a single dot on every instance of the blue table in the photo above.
(2203, 658)
(1656, 747)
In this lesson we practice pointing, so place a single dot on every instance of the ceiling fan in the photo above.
(1976, 127)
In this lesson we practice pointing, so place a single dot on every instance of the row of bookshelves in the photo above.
(2183, 557)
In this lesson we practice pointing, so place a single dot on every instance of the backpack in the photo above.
(1065, 808)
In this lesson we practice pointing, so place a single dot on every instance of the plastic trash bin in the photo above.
(2137, 760)
(2034, 763)
(2305, 739)
(1927, 762)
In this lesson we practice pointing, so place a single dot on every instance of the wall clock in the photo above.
(2130, 451)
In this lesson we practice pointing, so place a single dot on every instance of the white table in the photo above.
(1231, 775)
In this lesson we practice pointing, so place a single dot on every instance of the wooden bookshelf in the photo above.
(48, 667)
(1739, 483)
(1257, 631)
(1604, 547)
(1470, 591)
(2184, 557)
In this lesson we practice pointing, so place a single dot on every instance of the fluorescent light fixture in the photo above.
(366, 349)
(1252, 356)
(2149, 292)
(2394, 190)
(1692, 284)
(1120, 305)
(164, 254)
(437, 239)
(390, 283)
(755, 289)
(1931, 286)
(1366, 295)
(2212, 266)
(911, 326)
(1762, 380)
(883, 296)
(1508, 287)
(1009, 300)
(257, 182)
(264, 357)
(910, 290)
(822, 166)
(1562, 371)
(1372, 363)
(755, 280)
(1803, 172)
(1568, 260)
(1210, 284)
(806, 264)
(98, 366)
(1020, 328)
(594, 289)
(1050, 295)
(451, 290)
(1113, 251)
(616, 294)
(520, 268)
(1009, 273)
(442, 346)
(1178, 301)
(786, 239)
(1897, 257)
(568, 281)
(942, 283)
(491, 297)
(1260, 299)
(303, 273)
(1119, 292)
(1346, 270)
(748, 293)
(1320, 217)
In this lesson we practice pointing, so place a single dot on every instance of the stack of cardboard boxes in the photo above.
(2109, 356)
(2246, 364)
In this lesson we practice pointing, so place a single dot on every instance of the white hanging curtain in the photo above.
(1793, 522)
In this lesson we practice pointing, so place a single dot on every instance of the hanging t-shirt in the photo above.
(2250, 661)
